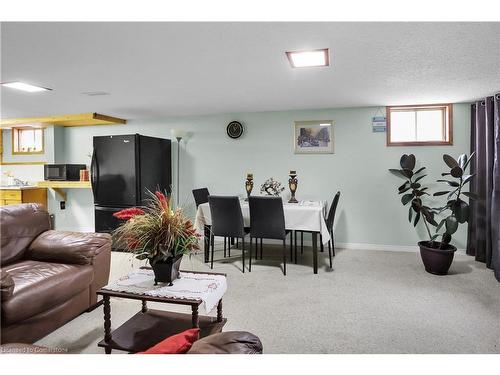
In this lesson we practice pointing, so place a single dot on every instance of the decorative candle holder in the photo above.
(292, 184)
(249, 184)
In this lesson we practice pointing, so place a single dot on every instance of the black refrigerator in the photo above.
(123, 169)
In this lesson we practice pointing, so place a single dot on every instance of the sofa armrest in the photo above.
(69, 247)
(232, 342)
(6, 285)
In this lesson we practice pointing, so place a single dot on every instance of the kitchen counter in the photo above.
(13, 187)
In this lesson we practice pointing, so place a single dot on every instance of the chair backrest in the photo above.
(227, 219)
(200, 196)
(331, 213)
(267, 219)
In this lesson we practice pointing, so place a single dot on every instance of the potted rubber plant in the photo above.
(159, 234)
(440, 222)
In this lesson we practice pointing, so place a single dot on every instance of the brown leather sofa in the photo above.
(47, 277)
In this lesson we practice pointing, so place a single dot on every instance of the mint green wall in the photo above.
(369, 211)
(59, 151)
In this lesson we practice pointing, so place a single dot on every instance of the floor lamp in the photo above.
(178, 134)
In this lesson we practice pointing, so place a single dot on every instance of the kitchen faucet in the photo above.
(18, 182)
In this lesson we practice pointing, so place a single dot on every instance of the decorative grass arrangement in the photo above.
(156, 232)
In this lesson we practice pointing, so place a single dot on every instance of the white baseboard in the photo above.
(355, 246)
(371, 246)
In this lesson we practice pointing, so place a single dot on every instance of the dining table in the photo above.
(305, 216)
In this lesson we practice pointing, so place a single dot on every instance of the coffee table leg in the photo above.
(144, 306)
(194, 319)
(315, 251)
(107, 324)
(219, 311)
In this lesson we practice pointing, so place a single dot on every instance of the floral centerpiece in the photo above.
(159, 234)
(272, 187)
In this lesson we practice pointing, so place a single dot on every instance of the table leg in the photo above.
(144, 306)
(315, 251)
(295, 240)
(219, 311)
(207, 243)
(195, 318)
(107, 324)
(301, 242)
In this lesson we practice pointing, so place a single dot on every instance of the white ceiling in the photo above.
(170, 69)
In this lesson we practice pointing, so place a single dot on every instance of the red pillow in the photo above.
(176, 344)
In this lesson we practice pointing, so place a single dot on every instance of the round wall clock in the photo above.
(234, 129)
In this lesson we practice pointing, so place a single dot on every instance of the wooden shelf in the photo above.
(57, 186)
(144, 330)
(83, 119)
(65, 184)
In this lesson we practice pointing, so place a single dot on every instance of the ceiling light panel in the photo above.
(26, 87)
(312, 58)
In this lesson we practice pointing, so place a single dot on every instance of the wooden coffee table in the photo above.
(148, 326)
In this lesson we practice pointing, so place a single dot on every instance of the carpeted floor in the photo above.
(372, 302)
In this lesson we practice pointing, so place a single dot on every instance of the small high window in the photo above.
(419, 125)
(27, 140)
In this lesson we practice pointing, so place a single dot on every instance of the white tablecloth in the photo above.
(305, 215)
(208, 288)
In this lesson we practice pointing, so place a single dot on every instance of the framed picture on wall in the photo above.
(313, 137)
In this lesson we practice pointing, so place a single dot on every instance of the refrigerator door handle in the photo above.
(94, 173)
(108, 209)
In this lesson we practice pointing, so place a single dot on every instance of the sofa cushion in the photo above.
(68, 247)
(20, 225)
(39, 286)
(232, 342)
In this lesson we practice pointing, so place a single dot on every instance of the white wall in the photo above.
(369, 211)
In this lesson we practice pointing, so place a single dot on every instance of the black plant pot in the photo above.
(436, 261)
(167, 271)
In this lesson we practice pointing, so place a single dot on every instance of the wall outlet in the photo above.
(62, 205)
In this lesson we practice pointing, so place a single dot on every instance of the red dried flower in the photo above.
(162, 198)
(128, 213)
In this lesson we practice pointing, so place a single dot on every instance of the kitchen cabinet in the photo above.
(22, 194)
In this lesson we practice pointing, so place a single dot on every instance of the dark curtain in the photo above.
(483, 240)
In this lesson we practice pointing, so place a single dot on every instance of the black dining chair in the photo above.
(200, 197)
(227, 222)
(267, 220)
(329, 225)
